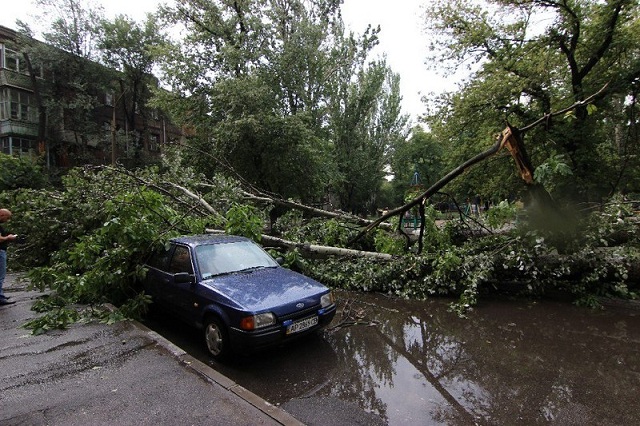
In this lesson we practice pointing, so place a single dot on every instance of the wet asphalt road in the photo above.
(120, 374)
(398, 362)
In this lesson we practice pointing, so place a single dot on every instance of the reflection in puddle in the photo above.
(398, 362)
(414, 362)
(405, 362)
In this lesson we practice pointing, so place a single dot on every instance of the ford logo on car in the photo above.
(300, 305)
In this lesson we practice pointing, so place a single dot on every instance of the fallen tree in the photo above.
(319, 251)
(255, 195)
(314, 251)
(510, 138)
(312, 211)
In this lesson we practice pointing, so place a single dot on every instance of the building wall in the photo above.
(20, 122)
(18, 114)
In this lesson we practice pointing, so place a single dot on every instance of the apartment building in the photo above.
(27, 128)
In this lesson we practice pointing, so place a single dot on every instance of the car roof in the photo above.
(206, 239)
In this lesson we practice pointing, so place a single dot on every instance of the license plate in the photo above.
(302, 325)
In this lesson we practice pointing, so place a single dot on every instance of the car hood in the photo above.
(277, 289)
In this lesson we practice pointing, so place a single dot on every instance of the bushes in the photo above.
(18, 172)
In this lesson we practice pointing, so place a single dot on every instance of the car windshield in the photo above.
(225, 258)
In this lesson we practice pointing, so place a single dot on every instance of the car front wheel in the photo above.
(216, 338)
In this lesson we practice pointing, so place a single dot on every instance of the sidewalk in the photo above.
(121, 374)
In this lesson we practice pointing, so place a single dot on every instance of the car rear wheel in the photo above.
(216, 338)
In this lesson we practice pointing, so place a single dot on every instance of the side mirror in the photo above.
(280, 260)
(183, 277)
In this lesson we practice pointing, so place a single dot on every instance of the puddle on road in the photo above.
(413, 362)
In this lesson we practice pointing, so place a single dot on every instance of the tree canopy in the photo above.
(529, 58)
(127, 46)
(279, 91)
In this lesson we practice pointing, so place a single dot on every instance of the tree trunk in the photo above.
(314, 211)
(438, 185)
(312, 250)
(316, 251)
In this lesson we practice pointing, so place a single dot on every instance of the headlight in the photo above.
(257, 321)
(326, 300)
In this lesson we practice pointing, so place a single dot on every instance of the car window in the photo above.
(160, 258)
(216, 259)
(181, 261)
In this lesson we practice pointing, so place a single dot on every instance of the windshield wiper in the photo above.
(245, 270)
(219, 274)
(252, 268)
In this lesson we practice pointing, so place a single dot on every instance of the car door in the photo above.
(178, 290)
(158, 277)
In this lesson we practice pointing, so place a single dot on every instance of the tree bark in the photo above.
(313, 250)
(316, 251)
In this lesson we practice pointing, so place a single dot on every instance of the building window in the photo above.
(17, 105)
(4, 104)
(5, 144)
(18, 147)
(154, 143)
(106, 131)
(11, 60)
(14, 61)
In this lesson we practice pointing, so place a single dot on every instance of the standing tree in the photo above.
(421, 154)
(267, 86)
(127, 47)
(532, 57)
(73, 25)
(366, 122)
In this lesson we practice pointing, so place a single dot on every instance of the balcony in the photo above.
(15, 79)
(18, 128)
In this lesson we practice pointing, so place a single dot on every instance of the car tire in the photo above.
(216, 338)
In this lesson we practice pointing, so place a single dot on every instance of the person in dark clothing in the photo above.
(5, 238)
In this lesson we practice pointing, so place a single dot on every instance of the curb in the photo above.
(213, 376)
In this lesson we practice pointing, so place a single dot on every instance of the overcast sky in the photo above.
(401, 37)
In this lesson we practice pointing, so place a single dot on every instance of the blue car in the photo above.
(234, 291)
